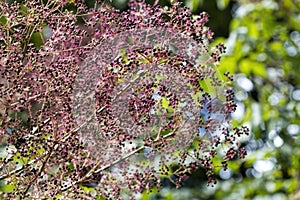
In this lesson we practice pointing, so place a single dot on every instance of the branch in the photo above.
(16, 171)
(94, 171)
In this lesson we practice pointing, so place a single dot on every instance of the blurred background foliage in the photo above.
(263, 51)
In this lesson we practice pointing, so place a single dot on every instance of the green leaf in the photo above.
(259, 69)
(227, 64)
(3, 20)
(41, 151)
(88, 189)
(194, 4)
(7, 188)
(36, 39)
(149, 195)
(23, 8)
(253, 30)
(164, 102)
(248, 66)
(222, 4)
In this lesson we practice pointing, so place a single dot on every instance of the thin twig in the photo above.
(94, 171)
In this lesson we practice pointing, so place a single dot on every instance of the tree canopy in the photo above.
(262, 40)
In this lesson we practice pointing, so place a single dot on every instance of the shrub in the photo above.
(98, 102)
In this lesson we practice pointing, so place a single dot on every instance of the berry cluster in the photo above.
(43, 47)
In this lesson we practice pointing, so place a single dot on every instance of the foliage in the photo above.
(52, 51)
(264, 49)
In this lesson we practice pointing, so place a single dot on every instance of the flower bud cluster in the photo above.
(43, 44)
